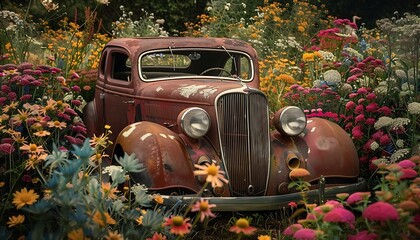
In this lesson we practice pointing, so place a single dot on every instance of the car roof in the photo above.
(137, 45)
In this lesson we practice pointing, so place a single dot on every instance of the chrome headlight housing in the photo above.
(194, 122)
(290, 121)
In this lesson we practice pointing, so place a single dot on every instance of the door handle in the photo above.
(101, 95)
(129, 102)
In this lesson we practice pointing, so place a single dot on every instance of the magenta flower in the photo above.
(305, 234)
(371, 96)
(381, 212)
(372, 107)
(363, 235)
(406, 164)
(408, 173)
(6, 148)
(370, 121)
(385, 110)
(350, 105)
(340, 215)
(362, 90)
(290, 230)
(385, 139)
(359, 109)
(357, 197)
(357, 132)
(359, 118)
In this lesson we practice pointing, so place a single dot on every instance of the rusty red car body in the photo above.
(176, 102)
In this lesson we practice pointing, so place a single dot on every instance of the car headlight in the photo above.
(290, 121)
(194, 122)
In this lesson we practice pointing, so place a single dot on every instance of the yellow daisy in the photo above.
(24, 197)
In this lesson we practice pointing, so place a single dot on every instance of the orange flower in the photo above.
(214, 174)
(15, 220)
(157, 236)
(103, 218)
(32, 148)
(57, 124)
(242, 226)
(178, 224)
(204, 208)
(108, 191)
(299, 173)
(114, 235)
(158, 198)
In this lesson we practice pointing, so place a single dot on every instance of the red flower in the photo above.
(363, 235)
(371, 96)
(372, 107)
(381, 212)
(178, 224)
(359, 118)
(359, 109)
(370, 121)
(385, 110)
(385, 139)
(157, 236)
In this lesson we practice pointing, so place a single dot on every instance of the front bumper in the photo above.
(261, 203)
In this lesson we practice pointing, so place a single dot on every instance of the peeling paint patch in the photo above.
(309, 121)
(158, 89)
(208, 92)
(327, 143)
(309, 150)
(163, 135)
(145, 136)
(313, 129)
(171, 137)
(190, 90)
(130, 130)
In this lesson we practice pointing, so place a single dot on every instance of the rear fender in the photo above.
(163, 154)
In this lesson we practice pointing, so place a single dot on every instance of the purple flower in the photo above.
(76, 88)
(12, 96)
(2, 100)
(4, 88)
(380, 212)
(25, 97)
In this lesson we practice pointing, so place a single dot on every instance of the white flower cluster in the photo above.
(332, 75)
(413, 108)
(399, 122)
(353, 52)
(286, 43)
(327, 56)
(383, 122)
(399, 154)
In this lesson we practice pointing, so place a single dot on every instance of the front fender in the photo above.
(323, 149)
(161, 151)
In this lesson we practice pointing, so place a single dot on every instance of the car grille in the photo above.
(244, 139)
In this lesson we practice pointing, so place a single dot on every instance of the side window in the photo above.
(239, 65)
(121, 66)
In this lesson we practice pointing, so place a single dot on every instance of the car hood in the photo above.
(197, 91)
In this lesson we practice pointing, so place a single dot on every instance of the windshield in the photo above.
(202, 63)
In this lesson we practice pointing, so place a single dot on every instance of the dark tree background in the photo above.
(177, 12)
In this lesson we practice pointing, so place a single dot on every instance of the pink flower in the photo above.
(370, 121)
(353, 95)
(371, 96)
(204, 208)
(363, 235)
(385, 110)
(372, 107)
(406, 164)
(350, 105)
(352, 79)
(362, 90)
(290, 230)
(408, 173)
(359, 118)
(292, 204)
(359, 109)
(377, 135)
(385, 139)
(357, 132)
(381, 212)
(340, 215)
(305, 234)
(357, 197)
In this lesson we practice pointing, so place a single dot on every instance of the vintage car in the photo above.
(176, 102)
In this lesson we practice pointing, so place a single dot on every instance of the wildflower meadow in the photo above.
(53, 184)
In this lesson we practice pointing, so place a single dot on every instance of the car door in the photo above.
(118, 97)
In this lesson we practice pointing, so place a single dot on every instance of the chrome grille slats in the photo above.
(244, 139)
